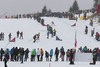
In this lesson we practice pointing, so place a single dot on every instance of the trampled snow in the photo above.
(30, 27)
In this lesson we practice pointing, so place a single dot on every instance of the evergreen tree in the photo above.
(95, 3)
(71, 9)
(75, 7)
(44, 10)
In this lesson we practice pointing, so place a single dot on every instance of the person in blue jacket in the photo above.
(51, 54)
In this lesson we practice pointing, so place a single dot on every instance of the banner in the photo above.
(87, 57)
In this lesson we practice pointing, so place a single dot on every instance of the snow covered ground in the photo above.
(30, 27)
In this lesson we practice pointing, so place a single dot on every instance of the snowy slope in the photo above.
(30, 27)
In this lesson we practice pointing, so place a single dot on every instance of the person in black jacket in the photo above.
(56, 53)
(71, 56)
(47, 56)
(26, 52)
(94, 57)
(2, 53)
(21, 54)
(34, 38)
(6, 58)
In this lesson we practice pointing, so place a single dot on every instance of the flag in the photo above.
(98, 8)
(75, 40)
(13, 40)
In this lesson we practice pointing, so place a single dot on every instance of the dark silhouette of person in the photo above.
(6, 58)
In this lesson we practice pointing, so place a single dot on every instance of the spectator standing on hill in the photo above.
(21, 35)
(54, 32)
(97, 36)
(86, 30)
(92, 32)
(9, 36)
(18, 34)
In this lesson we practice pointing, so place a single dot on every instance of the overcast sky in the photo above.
(30, 6)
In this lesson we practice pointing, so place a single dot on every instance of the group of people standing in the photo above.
(97, 35)
(19, 35)
(21, 54)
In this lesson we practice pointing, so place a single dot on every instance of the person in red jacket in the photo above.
(71, 56)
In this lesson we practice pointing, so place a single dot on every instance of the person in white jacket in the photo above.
(38, 54)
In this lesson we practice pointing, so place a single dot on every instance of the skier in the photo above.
(38, 36)
(34, 37)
